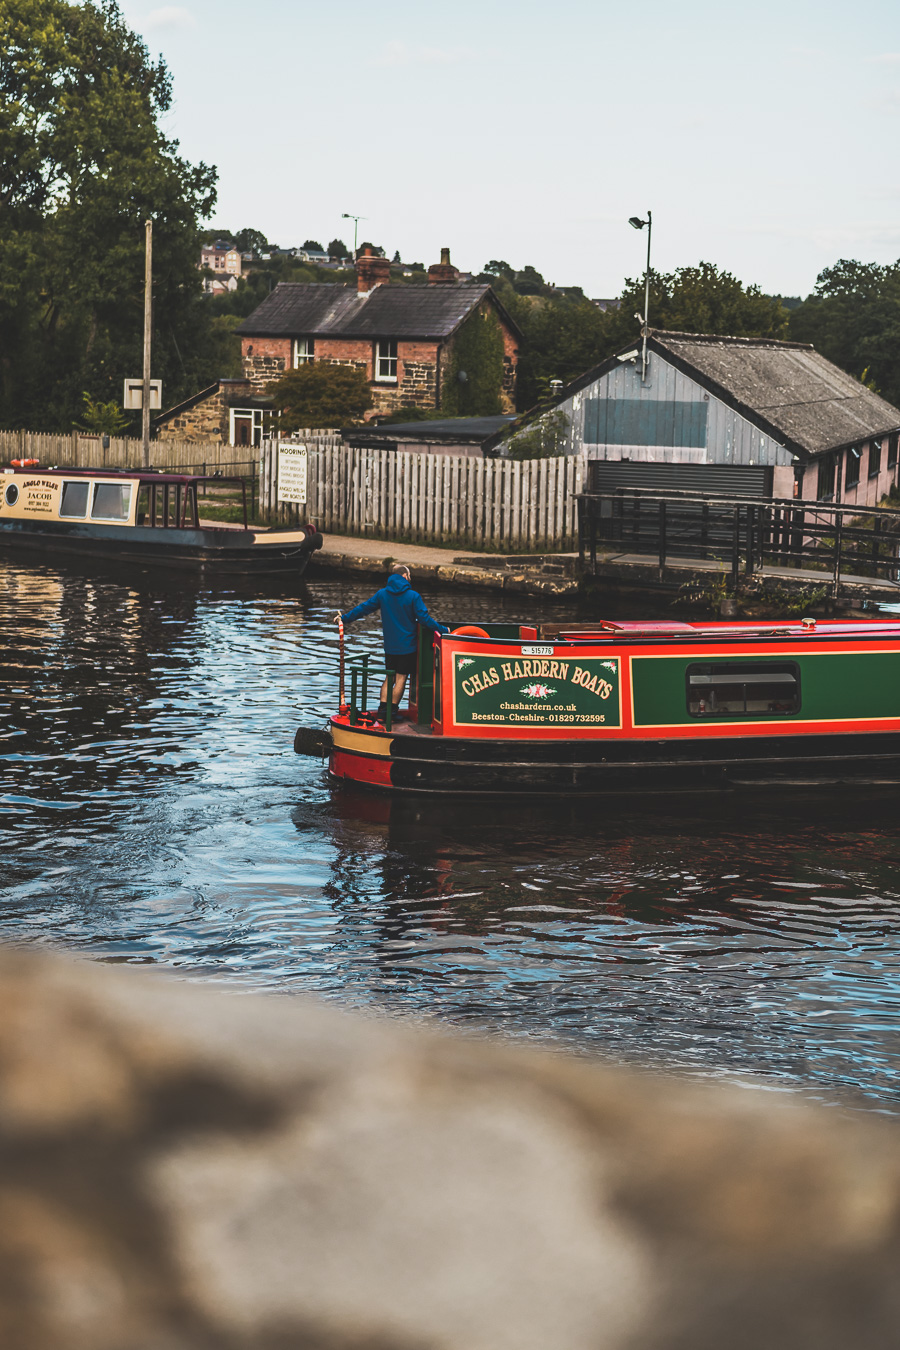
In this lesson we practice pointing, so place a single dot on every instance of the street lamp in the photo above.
(345, 215)
(639, 224)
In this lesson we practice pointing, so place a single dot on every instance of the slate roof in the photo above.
(809, 403)
(301, 309)
(435, 429)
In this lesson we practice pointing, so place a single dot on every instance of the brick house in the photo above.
(402, 336)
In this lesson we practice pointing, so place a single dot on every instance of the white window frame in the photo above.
(256, 417)
(386, 361)
(304, 350)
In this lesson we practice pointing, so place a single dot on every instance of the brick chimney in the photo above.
(443, 273)
(371, 271)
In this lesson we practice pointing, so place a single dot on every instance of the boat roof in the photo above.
(677, 632)
(141, 475)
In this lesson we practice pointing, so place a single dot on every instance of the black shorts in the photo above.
(402, 663)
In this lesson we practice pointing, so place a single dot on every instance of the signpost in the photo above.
(133, 397)
(292, 467)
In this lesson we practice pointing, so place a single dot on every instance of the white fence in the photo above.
(497, 504)
(79, 451)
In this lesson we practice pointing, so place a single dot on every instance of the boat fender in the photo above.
(469, 631)
(312, 741)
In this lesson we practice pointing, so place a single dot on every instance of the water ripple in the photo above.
(152, 810)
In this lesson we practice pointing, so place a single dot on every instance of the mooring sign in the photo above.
(292, 461)
(535, 691)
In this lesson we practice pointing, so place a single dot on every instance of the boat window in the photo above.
(732, 689)
(112, 501)
(74, 499)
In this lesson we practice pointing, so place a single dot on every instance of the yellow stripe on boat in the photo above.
(366, 743)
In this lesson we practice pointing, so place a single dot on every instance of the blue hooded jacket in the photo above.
(401, 609)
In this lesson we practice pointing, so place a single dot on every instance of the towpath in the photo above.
(550, 574)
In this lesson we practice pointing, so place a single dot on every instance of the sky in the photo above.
(762, 137)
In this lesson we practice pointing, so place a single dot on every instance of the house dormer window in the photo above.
(386, 361)
(304, 351)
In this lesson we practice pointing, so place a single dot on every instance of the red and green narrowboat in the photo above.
(622, 707)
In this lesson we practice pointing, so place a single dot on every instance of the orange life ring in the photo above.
(469, 631)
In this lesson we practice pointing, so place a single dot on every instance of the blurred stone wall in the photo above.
(183, 1168)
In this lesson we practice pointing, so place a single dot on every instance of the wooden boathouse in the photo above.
(741, 416)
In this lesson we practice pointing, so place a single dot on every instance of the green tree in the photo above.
(338, 249)
(83, 163)
(321, 395)
(101, 418)
(313, 244)
(251, 241)
(701, 299)
(853, 318)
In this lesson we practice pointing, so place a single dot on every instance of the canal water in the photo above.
(153, 812)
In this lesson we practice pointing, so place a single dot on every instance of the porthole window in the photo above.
(11, 495)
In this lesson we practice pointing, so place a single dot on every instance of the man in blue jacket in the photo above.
(401, 609)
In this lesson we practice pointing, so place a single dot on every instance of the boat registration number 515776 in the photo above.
(537, 651)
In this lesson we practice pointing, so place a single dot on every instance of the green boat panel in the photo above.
(834, 686)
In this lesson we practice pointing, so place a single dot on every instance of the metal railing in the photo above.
(360, 670)
(745, 533)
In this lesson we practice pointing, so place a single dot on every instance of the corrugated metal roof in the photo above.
(806, 400)
(301, 309)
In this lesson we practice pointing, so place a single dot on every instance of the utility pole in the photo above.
(148, 319)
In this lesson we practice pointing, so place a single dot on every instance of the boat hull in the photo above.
(226, 552)
(408, 763)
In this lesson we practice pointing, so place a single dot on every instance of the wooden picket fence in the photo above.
(493, 504)
(79, 451)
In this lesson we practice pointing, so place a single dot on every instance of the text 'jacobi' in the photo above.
(551, 670)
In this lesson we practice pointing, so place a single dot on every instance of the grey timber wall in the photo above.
(669, 420)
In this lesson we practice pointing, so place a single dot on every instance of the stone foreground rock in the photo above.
(187, 1169)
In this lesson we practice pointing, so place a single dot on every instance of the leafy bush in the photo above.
(542, 439)
(321, 395)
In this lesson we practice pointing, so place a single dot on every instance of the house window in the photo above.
(854, 454)
(386, 361)
(730, 689)
(825, 485)
(892, 450)
(304, 351)
(874, 459)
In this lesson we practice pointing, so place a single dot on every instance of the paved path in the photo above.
(526, 575)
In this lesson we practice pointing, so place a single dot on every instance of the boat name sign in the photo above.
(535, 691)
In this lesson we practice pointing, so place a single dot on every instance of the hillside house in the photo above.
(222, 258)
(402, 336)
(730, 414)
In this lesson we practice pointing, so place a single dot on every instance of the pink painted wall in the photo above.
(870, 488)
